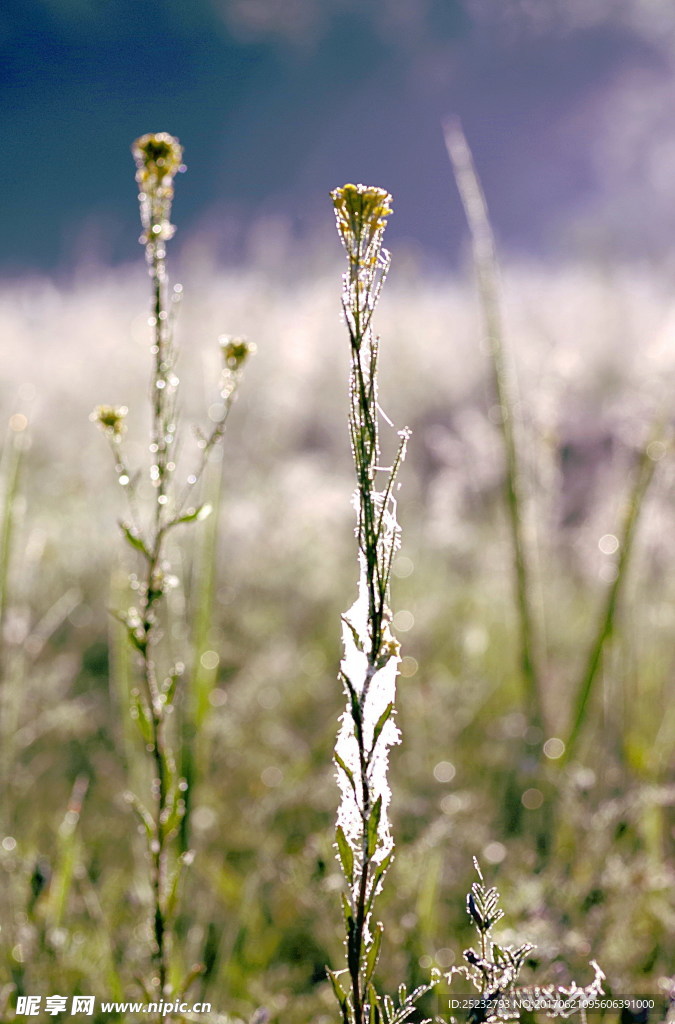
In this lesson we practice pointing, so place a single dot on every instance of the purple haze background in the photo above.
(569, 113)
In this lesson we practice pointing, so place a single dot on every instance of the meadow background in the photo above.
(569, 117)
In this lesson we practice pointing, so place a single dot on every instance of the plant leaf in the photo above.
(347, 913)
(195, 515)
(346, 854)
(133, 539)
(374, 951)
(373, 826)
(142, 814)
(381, 722)
(341, 764)
(340, 994)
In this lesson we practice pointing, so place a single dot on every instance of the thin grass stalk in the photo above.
(11, 470)
(11, 467)
(67, 854)
(194, 755)
(121, 675)
(642, 479)
(487, 275)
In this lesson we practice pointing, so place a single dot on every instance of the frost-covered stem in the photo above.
(363, 425)
(371, 654)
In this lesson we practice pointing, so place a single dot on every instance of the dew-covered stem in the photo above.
(158, 160)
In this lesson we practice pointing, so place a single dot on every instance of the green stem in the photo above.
(12, 457)
(161, 433)
(643, 476)
(364, 432)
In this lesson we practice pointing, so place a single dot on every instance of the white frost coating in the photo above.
(381, 692)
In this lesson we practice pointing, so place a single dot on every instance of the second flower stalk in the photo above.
(158, 159)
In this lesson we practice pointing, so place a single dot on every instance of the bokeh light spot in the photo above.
(209, 660)
(271, 776)
(404, 620)
(554, 748)
(444, 771)
(409, 667)
(532, 799)
(494, 853)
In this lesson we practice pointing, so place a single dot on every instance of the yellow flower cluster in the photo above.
(361, 213)
(158, 159)
(235, 351)
(110, 418)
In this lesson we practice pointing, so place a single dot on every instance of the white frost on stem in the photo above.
(375, 689)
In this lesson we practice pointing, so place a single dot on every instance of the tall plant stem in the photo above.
(363, 431)
(162, 758)
(158, 159)
(485, 261)
(371, 654)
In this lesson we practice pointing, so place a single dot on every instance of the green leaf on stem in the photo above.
(341, 764)
(346, 854)
(140, 714)
(378, 873)
(374, 952)
(137, 639)
(374, 1006)
(194, 515)
(195, 972)
(142, 813)
(347, 913)
(358, 643)
(373, 826)
(340, 994)
(134, 540)
(174, 885)
(381, 722)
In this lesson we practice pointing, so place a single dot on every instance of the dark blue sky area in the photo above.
(273, 111)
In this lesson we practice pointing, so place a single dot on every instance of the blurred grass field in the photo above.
(582, 852)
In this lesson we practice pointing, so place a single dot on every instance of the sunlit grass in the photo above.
(593, 348)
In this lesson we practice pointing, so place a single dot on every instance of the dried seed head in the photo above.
(361, 213)
(110, 419)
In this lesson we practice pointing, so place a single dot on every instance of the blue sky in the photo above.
(278, 102)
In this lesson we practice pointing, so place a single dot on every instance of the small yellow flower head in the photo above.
(361, 213)
(158, 158)
(110, 419)
(235, 351)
